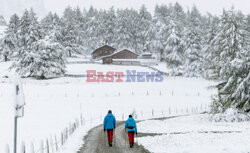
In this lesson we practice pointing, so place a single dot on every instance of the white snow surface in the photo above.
(52, 104)
(195, 134)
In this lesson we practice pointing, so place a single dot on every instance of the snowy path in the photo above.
(96, 142)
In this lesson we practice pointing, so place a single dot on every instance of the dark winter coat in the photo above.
(131, 125)
(109, 122)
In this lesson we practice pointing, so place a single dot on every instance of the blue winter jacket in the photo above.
(109, 122)
(131, 123)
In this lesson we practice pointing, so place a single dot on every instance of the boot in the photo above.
(131, 145)
(110, 143)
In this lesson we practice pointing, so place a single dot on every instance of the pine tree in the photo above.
(50, 23)
(193, 46)
(144, 29)
(232, 64)
(69, 32)
(123, 35)
(127, 29)
(50, 58)
(29, 34)
(107, 27)
(10, 41)
(2, 21)
(80, 22)
(208, 55)
(160, 30)
(174, 48)
(92, 30)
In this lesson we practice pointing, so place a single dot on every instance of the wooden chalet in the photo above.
(102, 51)
(122, 57)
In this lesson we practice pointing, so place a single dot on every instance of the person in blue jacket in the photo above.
(109, 125)
(131, 128)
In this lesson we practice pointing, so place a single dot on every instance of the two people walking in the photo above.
(109, 125)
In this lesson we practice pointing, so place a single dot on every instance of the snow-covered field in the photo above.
(52, 104)
(195, 134)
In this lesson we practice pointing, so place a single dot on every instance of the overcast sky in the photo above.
(212, 6)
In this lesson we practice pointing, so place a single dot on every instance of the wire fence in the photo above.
(55, 143)
(131, 93)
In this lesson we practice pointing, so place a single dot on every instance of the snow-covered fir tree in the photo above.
(174, 48)
(80, 22)
(193, 45)
(144, 29)
(50, 58)
(28, 34)
(69, 32)
(2, 21)
(91, 30)
(10, 41)
(211, 25)
(160, 30)
(50, 23)
(107, 25)
(122, 28)
(232, 51)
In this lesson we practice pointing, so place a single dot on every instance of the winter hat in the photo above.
(109, 111)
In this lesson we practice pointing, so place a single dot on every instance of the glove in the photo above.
(136, 133)
(104, 130)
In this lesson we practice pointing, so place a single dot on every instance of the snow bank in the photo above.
(195, 134)
(230, 115)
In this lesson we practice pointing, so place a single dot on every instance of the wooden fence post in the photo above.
(62, 139)
(56, 143)
(32, 148)
(7, 149)
(23, 147)
(52, 144)
(47, 145)
(41, 146)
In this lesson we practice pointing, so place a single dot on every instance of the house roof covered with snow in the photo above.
(103, 47)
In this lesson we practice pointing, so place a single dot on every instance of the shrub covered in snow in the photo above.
(230, 115)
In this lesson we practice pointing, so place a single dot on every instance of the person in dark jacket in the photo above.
(109, 125)
(131, 128)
